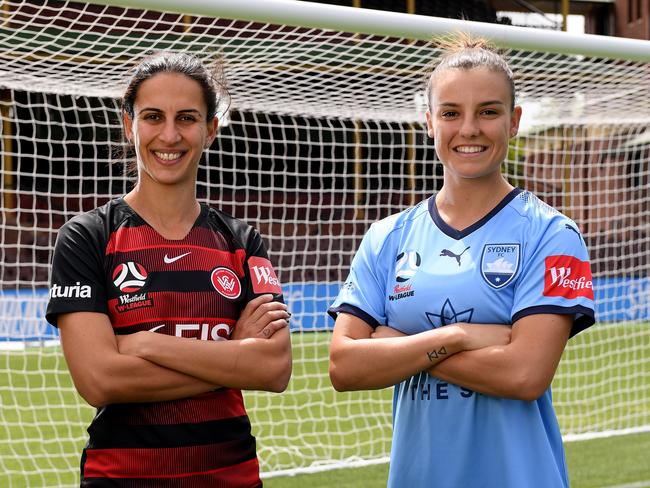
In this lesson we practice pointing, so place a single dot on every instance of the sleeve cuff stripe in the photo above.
(584, 316)
(356, 311)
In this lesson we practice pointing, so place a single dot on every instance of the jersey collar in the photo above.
(459, 234)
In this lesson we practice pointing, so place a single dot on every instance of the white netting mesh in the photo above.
(325, 136)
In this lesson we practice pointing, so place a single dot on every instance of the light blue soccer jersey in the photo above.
(413, 272)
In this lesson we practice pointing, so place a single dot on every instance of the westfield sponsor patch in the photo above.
(263, 276)
(568, 277)
(226, 282)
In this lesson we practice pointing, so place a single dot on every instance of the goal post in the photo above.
(324, 136)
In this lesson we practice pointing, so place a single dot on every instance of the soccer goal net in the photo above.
(325, 135)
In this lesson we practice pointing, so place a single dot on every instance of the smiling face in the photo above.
(169, 129)
(471, 121)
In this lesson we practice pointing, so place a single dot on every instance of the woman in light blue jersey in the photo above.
(466, 301)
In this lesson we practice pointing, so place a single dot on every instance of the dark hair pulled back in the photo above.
(212, 83)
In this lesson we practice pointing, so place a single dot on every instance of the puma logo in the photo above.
(570, 227)
(451, 254)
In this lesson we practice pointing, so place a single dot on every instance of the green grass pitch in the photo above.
(42, 419)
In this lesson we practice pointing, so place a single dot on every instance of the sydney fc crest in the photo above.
(499, 263)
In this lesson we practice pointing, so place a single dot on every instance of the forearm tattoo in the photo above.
(437, 353)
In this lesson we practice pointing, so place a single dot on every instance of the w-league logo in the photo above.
(226, 282)
(406, 265)
(129, 277)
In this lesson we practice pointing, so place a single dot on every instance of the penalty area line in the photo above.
(638, 484)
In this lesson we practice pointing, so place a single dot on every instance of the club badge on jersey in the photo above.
(226, 282)
(499, 263)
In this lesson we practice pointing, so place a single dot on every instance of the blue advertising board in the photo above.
(22, 312)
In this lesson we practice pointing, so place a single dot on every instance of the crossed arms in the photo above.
(496, 360)
(148, 367)
(143, 367)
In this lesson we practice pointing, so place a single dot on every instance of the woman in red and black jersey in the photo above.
(168, 308)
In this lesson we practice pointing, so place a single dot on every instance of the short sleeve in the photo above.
(363, 293)
(261, 277)
(78, 283)
(556, 276)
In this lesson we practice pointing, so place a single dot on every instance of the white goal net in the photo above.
(324, 136)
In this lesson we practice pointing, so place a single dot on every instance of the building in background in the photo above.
(620, 18)
(632, 19)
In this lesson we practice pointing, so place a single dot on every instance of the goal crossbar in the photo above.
(396, 24)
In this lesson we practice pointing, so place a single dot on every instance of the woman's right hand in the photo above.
(478, 336)
(261, 318)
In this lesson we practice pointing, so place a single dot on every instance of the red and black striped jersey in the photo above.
(111, 261)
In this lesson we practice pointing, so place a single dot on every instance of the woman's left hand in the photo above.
(261, 318)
